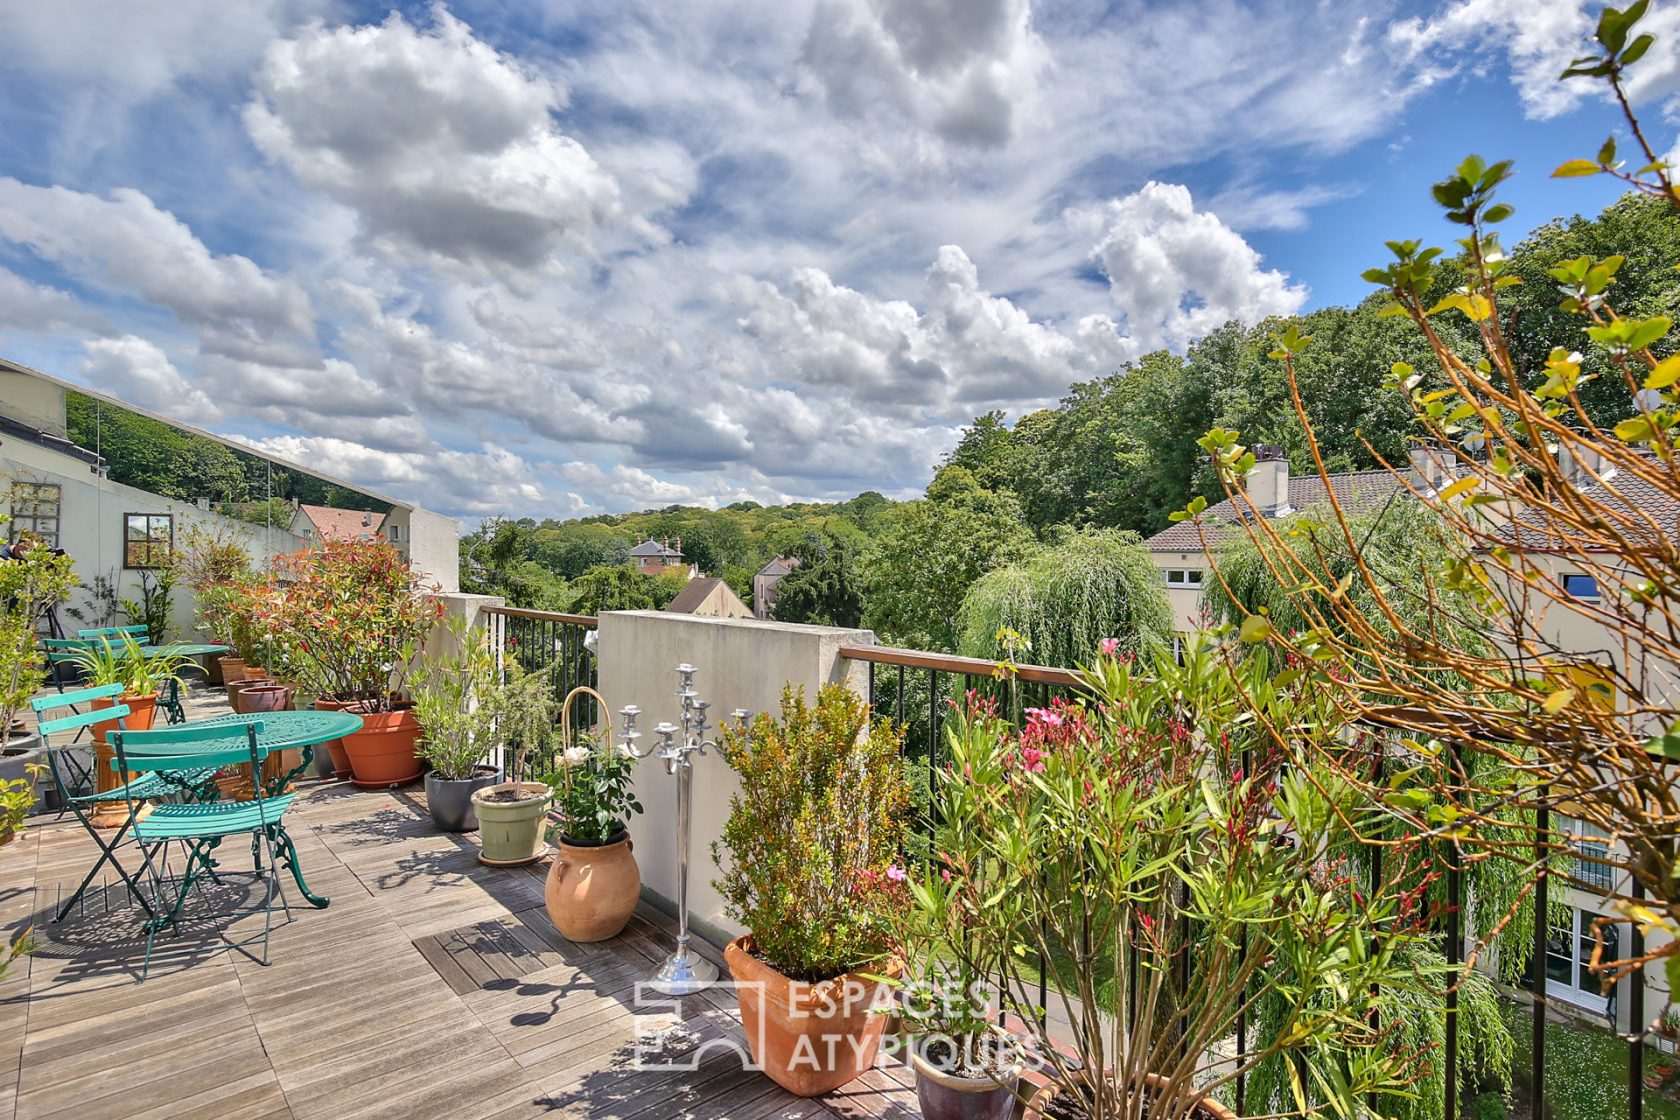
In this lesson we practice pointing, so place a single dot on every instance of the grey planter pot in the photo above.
(451, 802)
(22, 752)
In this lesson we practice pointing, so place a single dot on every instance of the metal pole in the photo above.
(1542, 928)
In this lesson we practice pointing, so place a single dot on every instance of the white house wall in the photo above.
(91, 523)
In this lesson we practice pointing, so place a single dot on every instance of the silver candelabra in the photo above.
(683, 973)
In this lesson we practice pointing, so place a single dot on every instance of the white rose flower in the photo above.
(624, 751)
(573, 756)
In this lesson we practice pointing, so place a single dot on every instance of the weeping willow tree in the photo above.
(1066, 598)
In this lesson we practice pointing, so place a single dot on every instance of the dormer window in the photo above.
(1582, 587)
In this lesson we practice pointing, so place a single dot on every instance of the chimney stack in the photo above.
(1268, 482)
(1433, 464)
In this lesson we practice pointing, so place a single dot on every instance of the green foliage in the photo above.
(592, 790)
(1063, 600)
(523, 709)
(817, 824)
(29, 586)
(934, 550)
(155, 604)
(620, 588)
(452, 702)
(348, 618)
(825, 589)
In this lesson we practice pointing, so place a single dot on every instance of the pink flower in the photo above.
(896, 873)
(1109, 646)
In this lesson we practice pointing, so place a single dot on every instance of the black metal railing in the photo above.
(552, 643)
(919, 690)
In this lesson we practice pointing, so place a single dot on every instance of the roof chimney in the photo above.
(1268, 482)
(679, 546)
(1433, 464)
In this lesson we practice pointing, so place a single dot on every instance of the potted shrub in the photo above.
(349, 619)
(212, 561)
(1126, 839)
(511, 814)
(966, 1068)
(454, 705)
(812, 835)
(593, 882)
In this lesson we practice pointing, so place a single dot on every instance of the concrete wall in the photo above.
(430, 541)
(742, 663)
(91, 525)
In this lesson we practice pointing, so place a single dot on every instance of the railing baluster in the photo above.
(1636, 1015)
(1542, 931)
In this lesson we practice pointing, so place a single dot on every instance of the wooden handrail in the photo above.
(951, 663)
(549, 616)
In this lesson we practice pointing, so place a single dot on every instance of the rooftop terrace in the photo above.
(432, 986)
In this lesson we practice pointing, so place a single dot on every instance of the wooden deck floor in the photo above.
(432, 986)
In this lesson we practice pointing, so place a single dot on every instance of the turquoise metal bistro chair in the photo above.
(63, 764)
(176, 754)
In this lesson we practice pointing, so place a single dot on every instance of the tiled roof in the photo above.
(1356, 491)
(780, 566)
(1630, 500)
(654, 548)
(689, 600)
(343, 524)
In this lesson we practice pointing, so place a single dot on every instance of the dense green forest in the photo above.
(1037, 499)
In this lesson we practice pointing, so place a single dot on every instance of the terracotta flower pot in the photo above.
(510, 832)
(264, 696)
(809, 1038)
(335, 747)
(256, 673)
(230, 669)
(142, 711)
(1038, 1105)
(382, 754)
(592, 889)
(213, 671)
(946, 1095)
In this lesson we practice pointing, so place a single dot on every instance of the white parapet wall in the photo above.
(741, 663)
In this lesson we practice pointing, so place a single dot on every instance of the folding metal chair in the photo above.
(82, 804)
(173, 754)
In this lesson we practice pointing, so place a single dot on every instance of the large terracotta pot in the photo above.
(230, 669)
(335, 747)
(256, 673)
(142, 711)
(1038, 1105)
(945, 1095)
(593, 889)
(510, 833)
(213, 670)
(264, 696)
(382, 754)
(809, 1038)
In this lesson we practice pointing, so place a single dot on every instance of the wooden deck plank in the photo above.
(433, 987)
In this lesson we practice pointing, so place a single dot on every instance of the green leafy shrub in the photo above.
(814, 831)
(592, 790)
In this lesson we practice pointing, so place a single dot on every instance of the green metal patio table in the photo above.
(280, 731)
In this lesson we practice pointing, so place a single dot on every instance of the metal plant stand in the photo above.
(683, 973)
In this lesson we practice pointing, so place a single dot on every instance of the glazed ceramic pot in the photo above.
(264, 696)
(450, 801)
(592, 889)
(945, 1095)
(383, 753)
(789, 1023)
(511, 816)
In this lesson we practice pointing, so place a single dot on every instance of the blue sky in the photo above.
(567, 258)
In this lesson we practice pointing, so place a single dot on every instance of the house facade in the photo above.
(656, 558)
(709, 597)
(119, 535)
(764, 584)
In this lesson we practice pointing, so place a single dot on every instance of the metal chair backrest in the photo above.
(161, 751)
(74, 721)
(141, 634)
